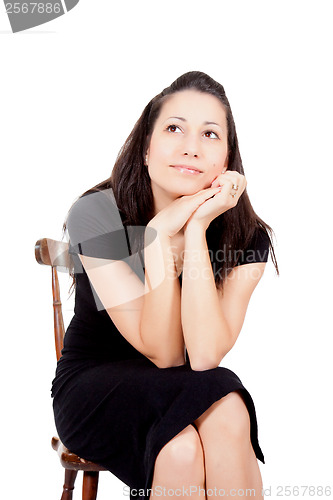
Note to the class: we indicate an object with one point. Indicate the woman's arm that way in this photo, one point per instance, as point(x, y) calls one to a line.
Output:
point(160, 327)
point(150, 321)
point(211, 320)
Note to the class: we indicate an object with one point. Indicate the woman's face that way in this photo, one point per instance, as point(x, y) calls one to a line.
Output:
point(191, 131)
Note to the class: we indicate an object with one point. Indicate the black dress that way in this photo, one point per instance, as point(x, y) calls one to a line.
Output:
point(112, 405)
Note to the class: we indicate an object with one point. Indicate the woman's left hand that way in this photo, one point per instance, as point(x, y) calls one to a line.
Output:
point(232, 186)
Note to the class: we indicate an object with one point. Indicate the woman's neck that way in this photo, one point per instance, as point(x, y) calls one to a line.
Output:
point(162, 199)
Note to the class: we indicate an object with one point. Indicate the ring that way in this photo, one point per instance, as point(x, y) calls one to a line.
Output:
point(235, 187)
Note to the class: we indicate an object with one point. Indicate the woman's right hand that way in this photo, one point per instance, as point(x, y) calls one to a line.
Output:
point(172, 218)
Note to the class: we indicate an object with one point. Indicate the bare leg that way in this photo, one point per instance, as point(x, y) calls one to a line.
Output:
point(179, 467)
point(230, 461)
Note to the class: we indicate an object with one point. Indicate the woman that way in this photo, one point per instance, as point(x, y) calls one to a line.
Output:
point(166, 253)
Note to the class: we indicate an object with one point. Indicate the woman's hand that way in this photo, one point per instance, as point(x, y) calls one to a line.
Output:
point(172, 218)
point(232, 184)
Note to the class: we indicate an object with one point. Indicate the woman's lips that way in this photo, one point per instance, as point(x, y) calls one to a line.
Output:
point(184, 169)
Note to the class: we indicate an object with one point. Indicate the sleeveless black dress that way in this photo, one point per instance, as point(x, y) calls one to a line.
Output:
point(111, 404)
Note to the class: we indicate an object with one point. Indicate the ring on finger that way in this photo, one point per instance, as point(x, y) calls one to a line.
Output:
point(235, 188)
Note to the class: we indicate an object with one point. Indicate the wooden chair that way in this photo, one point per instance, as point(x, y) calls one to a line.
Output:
point(55, 254)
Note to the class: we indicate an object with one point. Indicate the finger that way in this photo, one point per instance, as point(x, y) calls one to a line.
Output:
point(228, 182)
point(231, 190)
point(218, 178)
point(232, 178)
point(204, 193)
point(192, 201)
point(215, 182)
point(230, 174)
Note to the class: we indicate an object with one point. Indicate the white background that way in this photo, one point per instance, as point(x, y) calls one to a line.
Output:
point(71, 91)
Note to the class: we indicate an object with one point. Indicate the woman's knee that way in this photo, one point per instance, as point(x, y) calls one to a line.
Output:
point(184, 449)
point(229, 415)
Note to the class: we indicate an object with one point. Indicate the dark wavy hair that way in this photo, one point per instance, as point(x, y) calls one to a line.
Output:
point(131, 185)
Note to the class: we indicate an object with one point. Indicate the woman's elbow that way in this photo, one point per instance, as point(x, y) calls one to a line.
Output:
point(167, 363)
point(202, 364)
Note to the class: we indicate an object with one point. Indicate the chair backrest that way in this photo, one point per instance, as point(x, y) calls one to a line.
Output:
point(55, 254)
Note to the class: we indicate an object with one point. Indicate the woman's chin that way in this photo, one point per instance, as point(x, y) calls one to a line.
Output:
point(188, 191)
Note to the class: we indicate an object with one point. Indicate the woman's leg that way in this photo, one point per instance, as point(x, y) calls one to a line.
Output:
point(230, 461)
point(179, 468)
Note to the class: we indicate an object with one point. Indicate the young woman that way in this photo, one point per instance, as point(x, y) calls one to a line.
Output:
point(166, 253)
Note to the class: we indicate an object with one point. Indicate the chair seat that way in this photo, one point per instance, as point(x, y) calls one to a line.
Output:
point(71, 461)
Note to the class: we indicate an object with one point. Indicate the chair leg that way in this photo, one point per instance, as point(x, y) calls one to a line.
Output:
point(90, 485)
point(70, 476)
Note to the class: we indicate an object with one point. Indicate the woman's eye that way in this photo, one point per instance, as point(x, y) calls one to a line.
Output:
point(211, 132)
point(172, 126)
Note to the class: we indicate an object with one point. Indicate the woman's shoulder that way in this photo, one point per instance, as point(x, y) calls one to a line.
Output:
point(95, 226)
point(92, 214)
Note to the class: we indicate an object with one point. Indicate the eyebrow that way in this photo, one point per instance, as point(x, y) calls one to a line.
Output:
point(184, 120)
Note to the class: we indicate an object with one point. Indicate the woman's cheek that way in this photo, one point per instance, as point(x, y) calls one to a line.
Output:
point(215, 172)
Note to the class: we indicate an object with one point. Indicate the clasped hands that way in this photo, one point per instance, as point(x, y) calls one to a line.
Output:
point(202, 207)
point(230, 186)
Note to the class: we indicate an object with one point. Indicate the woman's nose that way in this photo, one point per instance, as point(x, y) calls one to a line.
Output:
point(194, 154)
point(191, 147)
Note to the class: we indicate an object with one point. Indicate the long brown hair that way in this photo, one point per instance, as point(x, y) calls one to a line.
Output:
point(131, 185)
